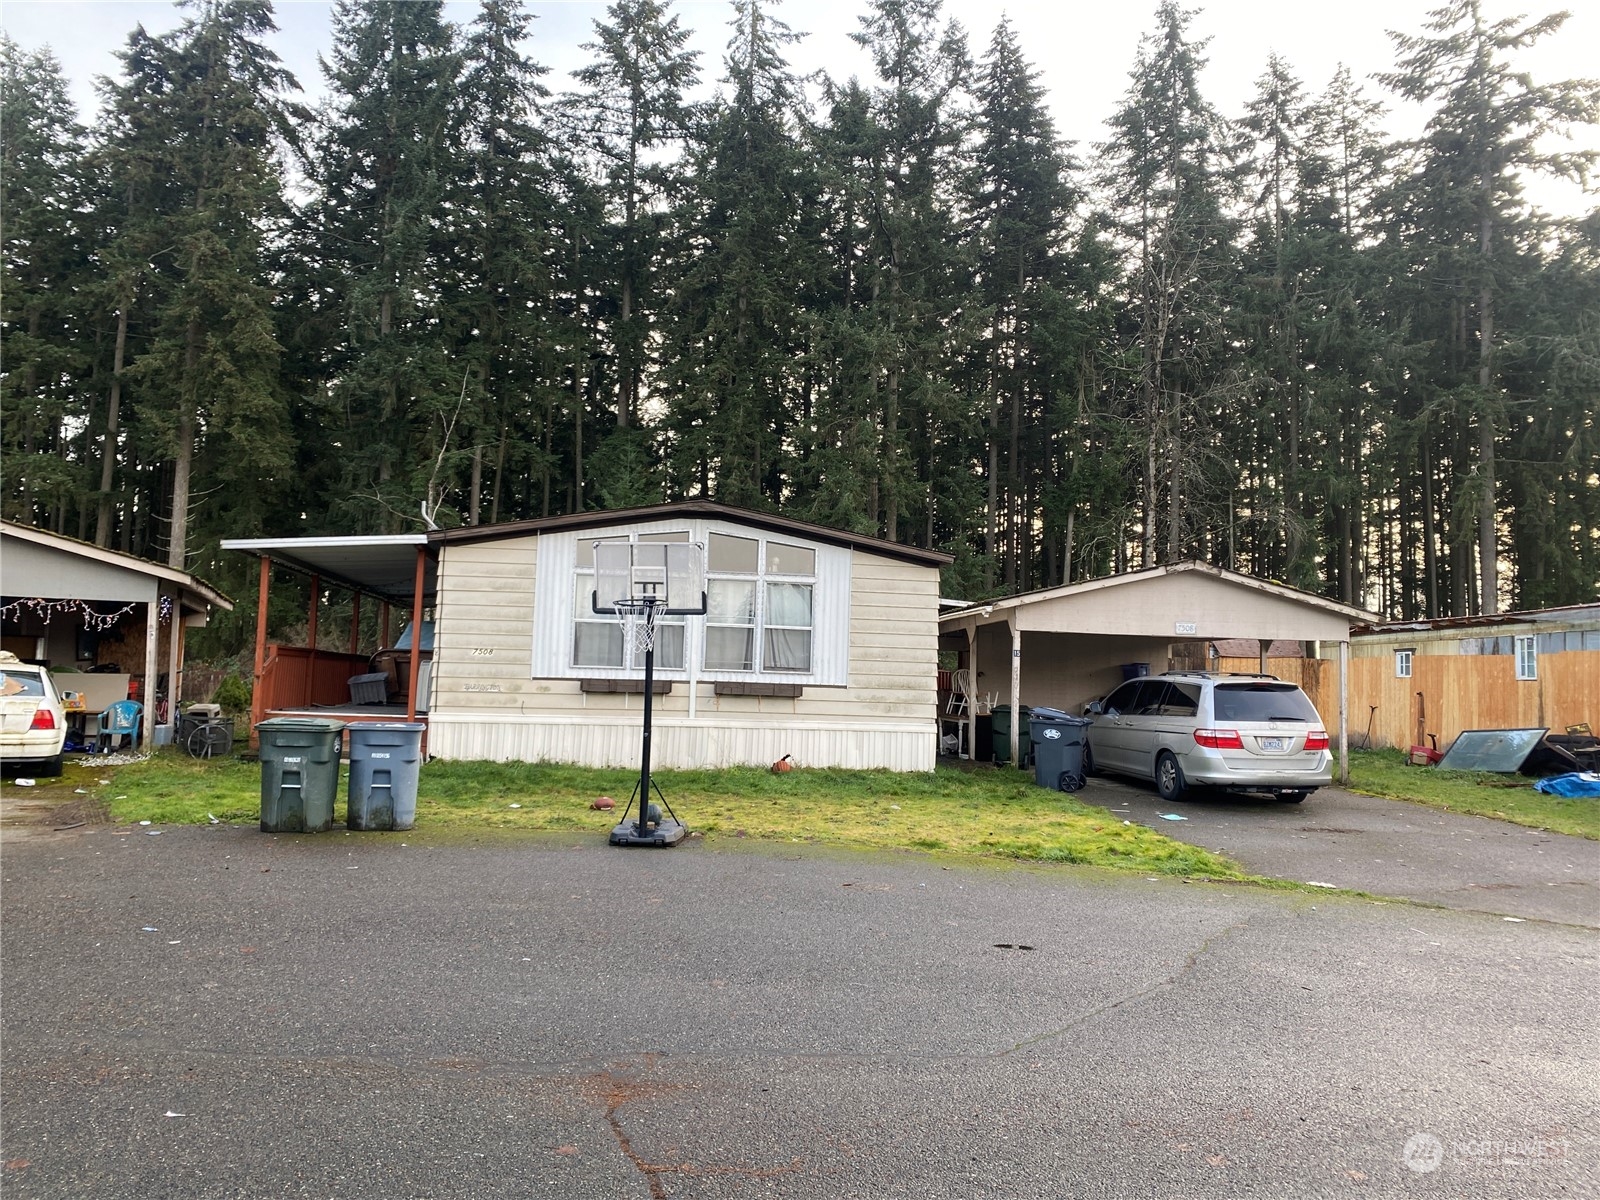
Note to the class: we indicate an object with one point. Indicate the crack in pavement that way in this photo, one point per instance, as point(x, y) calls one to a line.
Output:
point(615, 1092)
point(1189, 963)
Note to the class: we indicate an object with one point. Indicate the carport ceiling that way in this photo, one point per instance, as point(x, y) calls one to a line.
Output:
point(381, 565)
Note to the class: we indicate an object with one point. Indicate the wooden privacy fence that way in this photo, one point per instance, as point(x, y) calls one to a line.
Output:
point(200, 683)
point(297, 677)
point(1459, 691)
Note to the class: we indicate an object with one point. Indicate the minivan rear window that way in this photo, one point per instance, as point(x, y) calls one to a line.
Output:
point(1262, 702)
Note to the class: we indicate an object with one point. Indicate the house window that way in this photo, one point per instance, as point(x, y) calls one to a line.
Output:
point(1402, 663)
point(597, 637)
point(778, 609)
point(759, 596)
point(1527, 658)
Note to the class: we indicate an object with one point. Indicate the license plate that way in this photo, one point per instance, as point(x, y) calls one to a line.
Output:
point(1272, 743)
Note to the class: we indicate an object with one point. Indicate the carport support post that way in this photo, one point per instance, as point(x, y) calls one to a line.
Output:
point(1344, 712)
point(152, 631)
point(972, 694)
point(311, 639)
point(416, 630)
point(1016, 691)
point(174, 658)
point(257, 700)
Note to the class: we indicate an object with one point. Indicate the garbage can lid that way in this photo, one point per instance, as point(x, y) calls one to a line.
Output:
point(303, 724)
point(1057, 717)
point(375, 726)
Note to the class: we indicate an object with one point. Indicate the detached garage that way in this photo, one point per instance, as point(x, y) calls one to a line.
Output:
point(1065, 646)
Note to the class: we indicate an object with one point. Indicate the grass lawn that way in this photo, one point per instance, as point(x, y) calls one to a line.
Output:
point(986, 813)
point(1484, 793)
point(999, 814)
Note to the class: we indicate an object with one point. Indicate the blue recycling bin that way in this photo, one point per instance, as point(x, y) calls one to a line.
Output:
point(299, 773)
point(1058, 739)
point(385, 761)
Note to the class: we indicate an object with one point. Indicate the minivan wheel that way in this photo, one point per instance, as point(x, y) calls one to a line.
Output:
point(1088, 760)
point(1169, 778)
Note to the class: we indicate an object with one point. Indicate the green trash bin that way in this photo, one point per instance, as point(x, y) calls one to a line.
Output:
point(299, 773)
point(1002, 734)
point(385, 759)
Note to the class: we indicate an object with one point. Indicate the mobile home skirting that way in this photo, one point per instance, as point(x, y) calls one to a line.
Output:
point(680, 743)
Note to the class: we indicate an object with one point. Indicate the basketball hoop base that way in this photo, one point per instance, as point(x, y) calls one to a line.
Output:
point(664, 833)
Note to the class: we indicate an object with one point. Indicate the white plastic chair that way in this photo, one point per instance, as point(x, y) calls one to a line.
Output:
point(960, 688)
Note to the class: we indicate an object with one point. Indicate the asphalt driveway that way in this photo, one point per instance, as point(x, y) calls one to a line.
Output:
point(1387, 847)
point(218, 1012)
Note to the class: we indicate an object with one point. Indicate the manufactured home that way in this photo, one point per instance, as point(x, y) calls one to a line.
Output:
point(817, 643)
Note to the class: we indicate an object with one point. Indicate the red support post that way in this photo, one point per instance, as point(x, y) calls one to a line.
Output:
point(416, 631)
point(257, 700)
point(311, 638)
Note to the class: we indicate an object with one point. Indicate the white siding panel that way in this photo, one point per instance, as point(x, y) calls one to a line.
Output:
point(681, 744)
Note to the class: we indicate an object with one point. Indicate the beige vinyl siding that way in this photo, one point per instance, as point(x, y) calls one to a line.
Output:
point(485, 603)
point(884, 717)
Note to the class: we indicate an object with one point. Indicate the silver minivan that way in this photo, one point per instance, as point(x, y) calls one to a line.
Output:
point(1188, 729)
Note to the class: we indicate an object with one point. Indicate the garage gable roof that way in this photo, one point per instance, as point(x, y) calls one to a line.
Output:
point(1204, 578)
point(200, 593)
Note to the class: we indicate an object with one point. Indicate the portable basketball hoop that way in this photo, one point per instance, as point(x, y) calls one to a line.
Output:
point(639, 583)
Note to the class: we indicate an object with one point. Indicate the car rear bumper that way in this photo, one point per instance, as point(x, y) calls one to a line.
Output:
point(23, 748)
point(1299, 771)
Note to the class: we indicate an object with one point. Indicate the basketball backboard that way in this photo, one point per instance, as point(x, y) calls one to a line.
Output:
point(669, 576)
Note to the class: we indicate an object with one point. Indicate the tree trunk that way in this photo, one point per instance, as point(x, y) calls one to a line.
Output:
point(108, 455)
point(1488, 549)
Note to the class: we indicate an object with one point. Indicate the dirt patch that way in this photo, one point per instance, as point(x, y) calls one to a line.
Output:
point(49, 806)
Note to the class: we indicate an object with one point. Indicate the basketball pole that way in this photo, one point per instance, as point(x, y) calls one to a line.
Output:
point(642, 828)
point(642, 831)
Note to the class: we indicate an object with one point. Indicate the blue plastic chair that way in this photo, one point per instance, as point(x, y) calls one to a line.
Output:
point(125, 718)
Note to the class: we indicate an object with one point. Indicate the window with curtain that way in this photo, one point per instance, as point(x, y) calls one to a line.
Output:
point(1527, 658)
point(759, 595)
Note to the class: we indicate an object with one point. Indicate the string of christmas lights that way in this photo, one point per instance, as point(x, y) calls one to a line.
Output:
point(80, 609)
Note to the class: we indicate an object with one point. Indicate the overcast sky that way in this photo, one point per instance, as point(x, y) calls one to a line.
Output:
point(1083, 51)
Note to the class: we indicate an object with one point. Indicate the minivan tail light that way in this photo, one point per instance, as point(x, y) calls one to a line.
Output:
point(43, 718)
point(1219, 739)
point(1317, 739)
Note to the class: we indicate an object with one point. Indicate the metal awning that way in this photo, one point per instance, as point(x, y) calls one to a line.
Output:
point(381, 565)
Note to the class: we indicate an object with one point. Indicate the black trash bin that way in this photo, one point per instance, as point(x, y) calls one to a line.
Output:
point(299, 773)
point(1058, 740)
point(385, 758)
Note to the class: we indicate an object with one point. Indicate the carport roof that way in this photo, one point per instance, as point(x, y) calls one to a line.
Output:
point(198, 592)
point(1074, 595)
point(382, 565)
